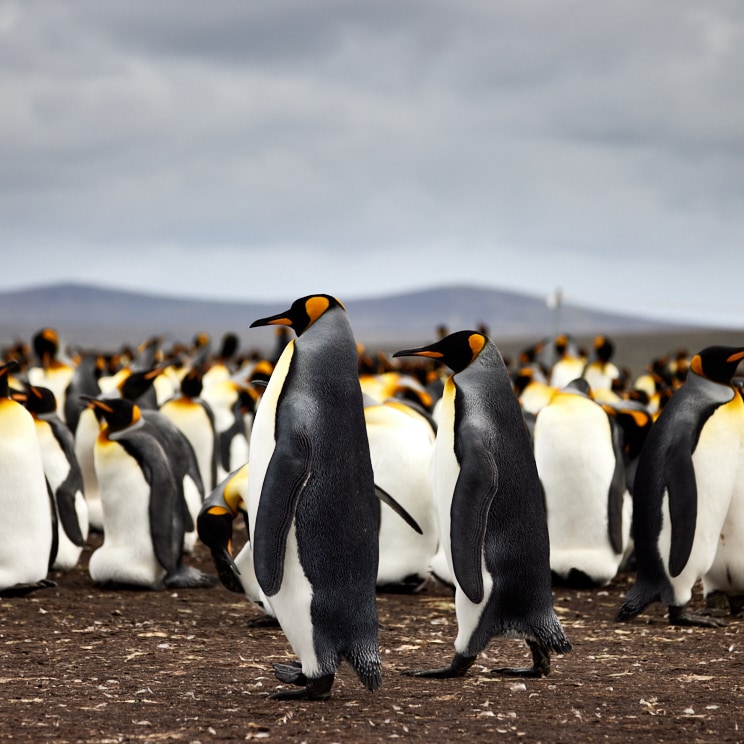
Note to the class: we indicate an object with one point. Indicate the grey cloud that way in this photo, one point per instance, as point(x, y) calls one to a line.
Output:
point(498, 130)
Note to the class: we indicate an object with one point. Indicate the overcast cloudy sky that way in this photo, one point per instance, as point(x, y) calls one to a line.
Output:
point(266, 150)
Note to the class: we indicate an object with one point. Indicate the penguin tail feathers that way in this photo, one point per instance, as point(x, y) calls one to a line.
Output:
point(638, 598)
point(367, 666)
point(186, 577)
point(554, 638)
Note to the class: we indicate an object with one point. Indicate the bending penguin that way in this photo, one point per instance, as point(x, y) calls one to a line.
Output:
point(492, 517)
point(685, 481)
point(144, 513)
point(312, 510)
point(215, 527)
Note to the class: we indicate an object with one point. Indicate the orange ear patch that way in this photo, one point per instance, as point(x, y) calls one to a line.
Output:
point(696, 365)
point(477, 342)
point(316, 306)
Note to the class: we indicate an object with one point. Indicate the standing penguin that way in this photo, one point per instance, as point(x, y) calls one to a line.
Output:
point(580, 460)
point(312, 508)
point(63, 475)
point(51, 371)
point(491, 512)
point(26, 535)
point(401, 444)
point(723, 585)
point(685, 480)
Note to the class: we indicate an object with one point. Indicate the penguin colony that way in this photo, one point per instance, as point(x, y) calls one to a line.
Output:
point(356, 474)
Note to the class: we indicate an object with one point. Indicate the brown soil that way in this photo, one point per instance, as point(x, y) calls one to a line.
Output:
point(80, 664)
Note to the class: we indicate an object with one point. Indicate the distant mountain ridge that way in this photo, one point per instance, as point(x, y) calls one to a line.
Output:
point(89, 315)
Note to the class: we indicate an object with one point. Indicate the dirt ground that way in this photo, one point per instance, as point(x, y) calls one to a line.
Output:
point(80, 664)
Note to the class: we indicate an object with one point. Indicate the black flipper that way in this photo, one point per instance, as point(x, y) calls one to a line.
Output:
point(475, 489)
point(386, 498)
point(167, 540)
point(616, 495)
point(68, 515)
point(679, 476)
point(286, 477)
point(55, 526)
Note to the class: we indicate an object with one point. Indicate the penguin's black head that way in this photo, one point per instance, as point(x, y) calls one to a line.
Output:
point(5, 370)
point(39, 400)
point(138, 383)
point(192, 383)
point(118, 413)
point(46, 345)
point(603, 348)
point(230, 343)
point(303, 313)
point(717, 363)
point(457, 351)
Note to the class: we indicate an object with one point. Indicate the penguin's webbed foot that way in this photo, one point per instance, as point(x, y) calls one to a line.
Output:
point(263, 621)
point(411, 584)
point(458, 668)
point(316, 689)
point(290, 674)
point(719, 604)
point(681, 617)
point(540, 665)
point(21, 590)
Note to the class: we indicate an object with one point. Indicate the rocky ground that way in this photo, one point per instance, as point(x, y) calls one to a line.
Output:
point(80, 664)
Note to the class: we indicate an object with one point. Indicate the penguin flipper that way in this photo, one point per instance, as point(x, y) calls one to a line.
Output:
point(679, 475)
point(475, 489)
point(227, 571)
point(386, 498)
point(162, 511)
point(616, 493)
point(286, 477)
point(68, 515)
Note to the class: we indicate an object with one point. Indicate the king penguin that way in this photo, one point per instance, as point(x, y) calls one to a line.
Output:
point(580, 460)
point(312, 508)
point(491, 512)
point(723, 585)
point(63, 475)
point(401, 444)
point(144, 516)
point(26, 534)
point(51, 371)
point(685, 480)
point(214, 524)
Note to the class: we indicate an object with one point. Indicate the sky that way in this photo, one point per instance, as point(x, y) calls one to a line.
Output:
point(261, 151)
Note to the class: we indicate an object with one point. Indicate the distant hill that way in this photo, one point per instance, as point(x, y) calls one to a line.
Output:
point(88, 316)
